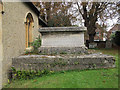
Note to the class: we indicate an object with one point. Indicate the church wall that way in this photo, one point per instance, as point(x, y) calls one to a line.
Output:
point(13, 25)
point(1, 46)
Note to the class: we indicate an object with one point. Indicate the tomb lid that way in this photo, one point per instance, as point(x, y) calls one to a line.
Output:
point(62, 29)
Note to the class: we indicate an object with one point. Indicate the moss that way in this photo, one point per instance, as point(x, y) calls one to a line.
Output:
point(58, 63)
point(60, 59)
point(63, 52)
point(76, 63)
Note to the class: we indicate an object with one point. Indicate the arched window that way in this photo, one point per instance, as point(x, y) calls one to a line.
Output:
point(29, 26)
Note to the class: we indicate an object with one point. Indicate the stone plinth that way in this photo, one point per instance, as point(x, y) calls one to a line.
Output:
point(63, 62)
point(62, 39)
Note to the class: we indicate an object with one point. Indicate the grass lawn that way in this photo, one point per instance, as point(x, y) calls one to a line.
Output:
point(101, 78)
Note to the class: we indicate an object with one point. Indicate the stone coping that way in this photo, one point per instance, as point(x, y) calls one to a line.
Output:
point(97, 55)
point(62, 29)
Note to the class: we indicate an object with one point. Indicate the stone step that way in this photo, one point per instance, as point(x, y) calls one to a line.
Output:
point(63, 62)
point(63, 50)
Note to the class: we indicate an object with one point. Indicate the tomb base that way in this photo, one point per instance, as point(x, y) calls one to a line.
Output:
point(63, 62)
point(63, 50)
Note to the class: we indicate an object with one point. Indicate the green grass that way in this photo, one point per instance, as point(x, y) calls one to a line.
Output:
point(101, 78)
point(112, 51)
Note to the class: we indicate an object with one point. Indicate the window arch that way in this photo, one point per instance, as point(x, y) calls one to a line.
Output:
point(29, 27)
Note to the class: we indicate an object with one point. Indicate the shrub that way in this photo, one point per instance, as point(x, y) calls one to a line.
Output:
point(29, 74)
point(36, 44)
point(112, 36)
point(115, 37)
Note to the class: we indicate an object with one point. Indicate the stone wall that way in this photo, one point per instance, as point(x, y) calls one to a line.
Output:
point(1, 46)
point(108, 44)
point(63, 62)
point(13, 33)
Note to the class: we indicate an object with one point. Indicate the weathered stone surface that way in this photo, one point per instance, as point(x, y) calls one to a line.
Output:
point(1, 47)
point(62, 40)
point(62, 29)
point(92, 45)
point(63, 62)
point(108, 44)
point(63, 50)
point(0, 74)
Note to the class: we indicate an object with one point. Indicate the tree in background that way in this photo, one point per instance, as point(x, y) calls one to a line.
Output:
point(56, 14)
point(91, 12)
point(59, 20)
point(61, 14)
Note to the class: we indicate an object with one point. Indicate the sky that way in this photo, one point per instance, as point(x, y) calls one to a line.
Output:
point(111, 22)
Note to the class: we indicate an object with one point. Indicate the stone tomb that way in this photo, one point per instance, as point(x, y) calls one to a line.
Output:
point(62, 40)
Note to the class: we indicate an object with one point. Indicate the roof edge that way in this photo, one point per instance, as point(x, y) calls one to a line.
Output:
point(36, 11)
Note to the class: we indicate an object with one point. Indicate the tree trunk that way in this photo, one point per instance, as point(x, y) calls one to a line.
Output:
point(91, 38)
point(91, 32)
